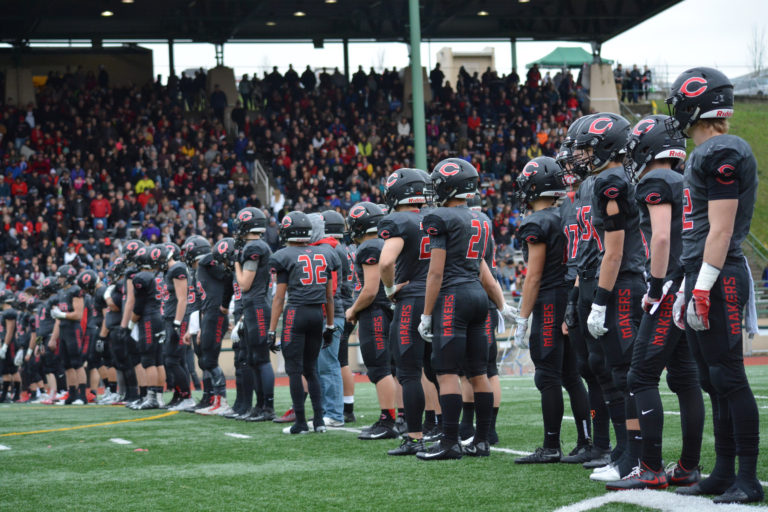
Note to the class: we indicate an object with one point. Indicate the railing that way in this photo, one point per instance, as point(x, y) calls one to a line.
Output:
point(260, 176)
point(757, 246)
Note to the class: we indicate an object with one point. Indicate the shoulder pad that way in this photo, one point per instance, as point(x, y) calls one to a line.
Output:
point(654, 190)
point(254, 251)
point(368, 253)
point(434, 224)
point(724, 160)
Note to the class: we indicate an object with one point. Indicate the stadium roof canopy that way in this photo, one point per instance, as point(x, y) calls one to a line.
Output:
point(219, 21)
point(564, 57)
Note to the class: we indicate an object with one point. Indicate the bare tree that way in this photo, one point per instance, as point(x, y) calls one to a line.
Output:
point(757, 50)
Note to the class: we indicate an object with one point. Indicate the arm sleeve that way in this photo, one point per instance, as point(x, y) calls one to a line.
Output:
point(229, 291)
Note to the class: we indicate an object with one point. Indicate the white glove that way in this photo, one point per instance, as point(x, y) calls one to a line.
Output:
point(135, 332)
point(3, 350)
point(57, 313)
point(425, 328)
point(131, 325)
point(596, 321)
point(235, 334)
point(509, 312)
point(520, 332)
point(194, 323)
point(19, 359)
point(108, 292)
point(678, 308)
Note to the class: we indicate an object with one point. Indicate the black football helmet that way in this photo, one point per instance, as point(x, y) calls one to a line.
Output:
point(698, 93)
point(454, 178)
point(249, 220)
point(130, 248)
point(565, 153)
point(334, 223)
point(224, 253)
point(142, 259)
point(541, 177)
point(173, 251)
point(158, 257)
point(117, 269)
point(7, 297)
point(606, 134)
point(87, 280)
point(406, 186)
point(67, 273)
point(295, 227)
point(363, 219)
point(195, 247)
point(48, 287)
point(650, 140)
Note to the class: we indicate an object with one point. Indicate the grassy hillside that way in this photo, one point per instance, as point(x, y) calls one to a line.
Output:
point(749, 122)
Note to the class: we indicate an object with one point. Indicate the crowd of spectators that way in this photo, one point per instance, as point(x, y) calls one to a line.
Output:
point(93, 164)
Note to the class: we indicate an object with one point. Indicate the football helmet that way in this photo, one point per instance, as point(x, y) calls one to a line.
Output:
point(158, 257)
point(565, 153)
point(48, 287)
point(363, 219)
point(698, 93)
point(87, 280)
point(541, 177)
point(173, 251)
point(454, 178)
point(406, 186)
point(142, 259)
point(130, 248)
point(117, 269)
point(650, 140)
point(605, 135)
point(295, 227)
point(334, 223)
point(249, 220)
point(67, 273)
point(224, 253)
point(195, 247)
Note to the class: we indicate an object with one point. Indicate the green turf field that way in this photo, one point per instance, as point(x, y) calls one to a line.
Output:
point(187, 462)
point(749, 122)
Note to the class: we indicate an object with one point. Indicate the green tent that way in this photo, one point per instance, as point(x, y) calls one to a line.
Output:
point(566, 57)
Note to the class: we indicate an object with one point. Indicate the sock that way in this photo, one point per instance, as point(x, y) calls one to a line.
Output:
point(269, 402)
point(297, 397)
point(651, 418)
point(316, 395)
point(600, 416)
point(430, 418)
point(266, 381)
point(692, 424)
point(248, 378)
point(468, 413)
point(349, 407)
point(725, 446)
point(238, 388)
point(143, 391)
point(72, 394)
point(484, 409)
point(552, 411)
point(746, 427)
point(493, 419)
point(413, 402)
point(634, 437)
point(387, 415)
point(451, 405)
point(349, 399)
point(6, 387)
point(17, 391)
point(112, 385)
point(400, 413)
point(440, 420)
point(615, 404)
point(579, 399)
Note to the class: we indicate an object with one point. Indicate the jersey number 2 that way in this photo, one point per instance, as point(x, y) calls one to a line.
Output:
point(687, 209)
point(473, 252)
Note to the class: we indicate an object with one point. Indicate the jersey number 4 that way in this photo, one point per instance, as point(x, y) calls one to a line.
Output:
point(314, 275)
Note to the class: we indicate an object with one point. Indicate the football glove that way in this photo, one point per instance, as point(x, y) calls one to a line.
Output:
point(19, 359)
point(571, 315)
point(509, 312)
point(99, 347)
point(697, 312)
point(678, 308)
point(596, 321)
point(3, 350)
point(328, 333)
point(57, 313)
point(425, 328)
point(273, 342)
point(177, 331)
point(235, 334)
point(520, 331)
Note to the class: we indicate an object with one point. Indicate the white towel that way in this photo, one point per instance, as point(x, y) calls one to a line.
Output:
point(500, 328)
point(750, 318)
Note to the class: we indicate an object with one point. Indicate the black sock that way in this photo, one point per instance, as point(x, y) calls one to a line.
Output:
point(451, 405)
point(112, 385)
point(651, 418)
point(248, 383)
point(400, 413)
point(238, 388)
point(692, 422)
point(601, 429)
point(552, 410)
point(349, 408)
point(634, 437)
point(413, 400)
point(615, 403)
point(493, 419)
point(143, 391)
point(746, 427)
point(468, 413)
point(440, 420)
point(484, 409)
point(72, 390)
point(6, 387)
point(429, 418)
point(725, 446)
point(580, 410)
point(315, 395)
point(17, 390)
point(266, 381)
point(297, 397)
point(386, 415)
point(269, 402)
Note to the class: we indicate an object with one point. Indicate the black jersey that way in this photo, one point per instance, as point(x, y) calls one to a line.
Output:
point(43, 319)
point(99, 304)
point(368, 253)
point(336, 263)
point(463, 234)
point(214, 285)
point(114, 318)
point(177, 273)
point(412, 263)
point(723, 167)
point(194, 293)
point(24, 328)
point(353, 285)
point(255, 258)
point(612, 185)
point(148, 289)
point(305, 269)
point(590, 243)
point(662, 186)
point(544, 227)
point(570, 227)
point(66, 304)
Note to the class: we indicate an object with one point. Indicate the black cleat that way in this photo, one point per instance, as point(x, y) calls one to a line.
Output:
point(481, 449)
point(493, 437)
point(600, 457)
point(678, 475)
point(641, 477)
point(439, 451)
point(204, 402)
point(466, 431)
point(297, 428)
point(409, 446)
point(436, 434)
point(382, 429)
point(349, 417)
point(706, 486)
point(741, 493)
point(541, 456)
point(265, 414)
point(579, 455)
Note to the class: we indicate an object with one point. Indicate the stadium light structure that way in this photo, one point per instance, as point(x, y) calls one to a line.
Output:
point(417, 86)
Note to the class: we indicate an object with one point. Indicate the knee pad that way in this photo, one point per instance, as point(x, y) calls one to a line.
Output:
point(681, 383)
point(612, 396)
point(207, 363)
point(545, 380)
point(725, 381)
point(408, 374)
point(376, 373)
point(619, 376)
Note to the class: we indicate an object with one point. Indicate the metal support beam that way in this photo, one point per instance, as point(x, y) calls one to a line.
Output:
point(345, 45)
point(171, 64)
point(417, 83)
point(219, 47)
point(513, 44)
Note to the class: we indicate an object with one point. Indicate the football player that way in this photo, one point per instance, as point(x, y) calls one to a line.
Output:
point(373, 314)
point(720, 188)
point(252, 274)
point(347, 378)
point(651, 157)
point(51, 362)
point(68, 332)
point(545, 296)
point(459, 283)
point(112, 335)
point(303, 272)
point(126, 336)
point(88, 281)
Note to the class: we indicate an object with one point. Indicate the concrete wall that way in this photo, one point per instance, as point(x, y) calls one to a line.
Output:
point(602, 90)
point(451, 63)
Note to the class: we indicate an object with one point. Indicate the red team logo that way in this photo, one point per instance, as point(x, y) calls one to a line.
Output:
point(611, 193)
point(449, 169)
point(245, 216)
point(726, 170)
point(644, 126)
point(222, 248)
point(155, 254)
point(384, 233)
point(357, 212)
point(653, 198)
point(696, 91)
point(86, 278)
point(600, 125)
point(286, 221)
point(391, 180)
point(530, 169)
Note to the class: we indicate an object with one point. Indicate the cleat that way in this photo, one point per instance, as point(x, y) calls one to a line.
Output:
point(409, 446)
point(678, 475)
point(214, 404)
point(641, 477)
point(149, 403)
point(297, 428)
point(185, 404)
point(579, 455)
point(330, 422)
point(349, 417)
point(204, 402)
point(77, 402)
point(481, 449)
point(706, 486)
point(439, 451)
point(434, 435)
point(609, 473)
point(400, 426)
point(600, 457)
point(382, 429)
point(259, 415)
point(48, 401)
point(466, 431)
point(741, 493)
point(541, 456)
point(319, 426)
point(288, 417)
point(493, 437)
point(223, 409)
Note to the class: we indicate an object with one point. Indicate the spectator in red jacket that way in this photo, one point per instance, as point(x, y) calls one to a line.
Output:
point(100, 209)
point(19, 188)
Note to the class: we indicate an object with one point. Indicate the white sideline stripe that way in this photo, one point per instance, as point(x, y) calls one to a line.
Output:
point(507, 450)
point(345, 429)
point(3, 447)
point(764, 484)
point(237, 436)
point(660, 500)
point(761, 397)
point(118, 440)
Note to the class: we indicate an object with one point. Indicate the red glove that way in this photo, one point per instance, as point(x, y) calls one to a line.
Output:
point(698, 310)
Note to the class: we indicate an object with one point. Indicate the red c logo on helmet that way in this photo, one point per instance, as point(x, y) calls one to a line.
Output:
point(223, 248)
point(132, 246)
point(696, 92)
point(245, 216)
point(357, 212)
point(155, 254)
point(392, 179)
point(528, 173)
point(86, 278)
point(653, 198)
point(444, 169)
point(287, 221)
point(644, 126)
point(597, 129)
point(611, 193)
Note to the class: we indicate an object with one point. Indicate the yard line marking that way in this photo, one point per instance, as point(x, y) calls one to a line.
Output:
point(345, 429)
point(507, 450)
point(764, 484)
point(761, 397)
point(665, 501)
point(118, 440)
point(3, 447)
point(78, 427)
point(237, 436)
